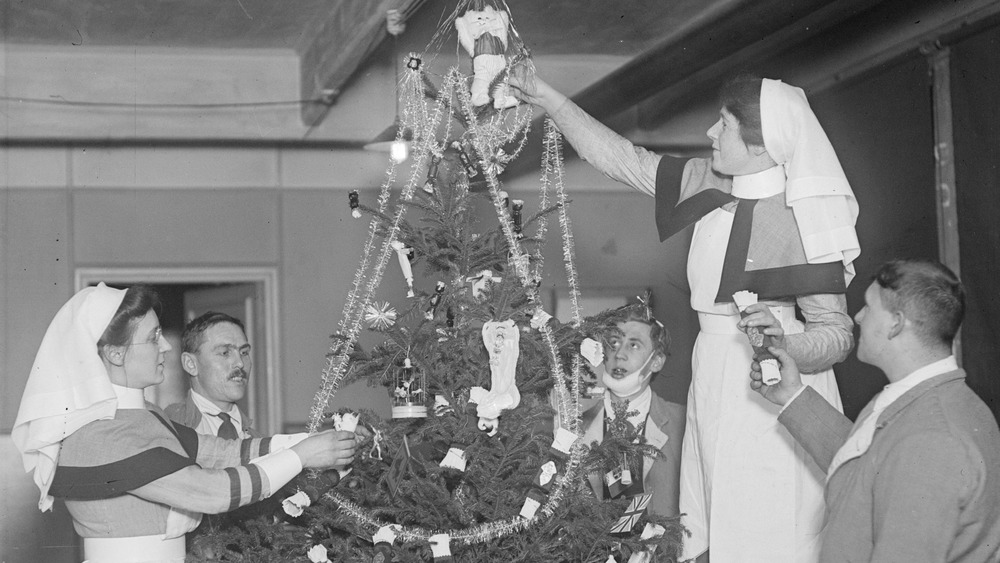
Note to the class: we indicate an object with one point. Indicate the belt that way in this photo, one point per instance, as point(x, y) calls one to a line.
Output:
point(136, 549)
point(726, 324)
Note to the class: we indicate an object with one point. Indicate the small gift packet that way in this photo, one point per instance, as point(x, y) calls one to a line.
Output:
point(769, 369)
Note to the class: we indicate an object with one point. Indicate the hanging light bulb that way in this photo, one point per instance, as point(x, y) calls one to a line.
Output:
point(390, 140)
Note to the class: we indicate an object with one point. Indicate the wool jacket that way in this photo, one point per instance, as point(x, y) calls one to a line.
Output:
point(928, 487)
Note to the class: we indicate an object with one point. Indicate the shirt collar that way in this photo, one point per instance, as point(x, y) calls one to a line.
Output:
point(895, 390)
point(211, 409)
point(760, 185)
point(129, 398)
point(640, 403)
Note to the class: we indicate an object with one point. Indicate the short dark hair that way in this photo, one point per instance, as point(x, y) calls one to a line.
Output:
point(740, 96)
point(138, 300)
point(928, 293)
point(193, 334)
point(657, 332)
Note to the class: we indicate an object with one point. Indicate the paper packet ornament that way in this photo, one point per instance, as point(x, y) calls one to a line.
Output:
point(347, 422)
point(483, 34)
point(441, 547)
point(649, 532)
point(383, 540)
point(296, 504)
point(318, 554)
point(592, 351)
point(770, 371)
point(404, 254)
point(532, 502)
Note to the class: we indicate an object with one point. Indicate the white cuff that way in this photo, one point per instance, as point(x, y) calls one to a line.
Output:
point(795, 396)
point(284, 441)
point(279, 467)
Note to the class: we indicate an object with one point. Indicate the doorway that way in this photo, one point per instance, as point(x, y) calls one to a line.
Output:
point(249, 294)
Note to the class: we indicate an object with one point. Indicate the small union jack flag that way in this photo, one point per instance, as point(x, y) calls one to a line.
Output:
point(636, 507)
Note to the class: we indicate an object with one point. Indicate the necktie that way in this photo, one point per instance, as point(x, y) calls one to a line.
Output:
point(860, 439)
point(227, 430)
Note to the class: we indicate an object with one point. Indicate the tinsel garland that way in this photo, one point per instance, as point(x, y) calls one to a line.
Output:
point(340, 351)
point(486, 139)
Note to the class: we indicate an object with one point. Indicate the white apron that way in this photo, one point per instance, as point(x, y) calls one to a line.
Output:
point(749, 492)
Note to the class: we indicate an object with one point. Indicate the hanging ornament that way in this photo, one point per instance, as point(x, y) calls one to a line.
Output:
point(442, 407)
point(355, 200)
point(497, 163)
point(383, 540)
point(440, 547)
point(376, 450)
point(295, 505)
point(593, 351)
point(318, 554)
point(533, 500)
point(432, 171)
point(408, 393)
point(504, 198)
point(539, 319)
point(380, 317)
point(649, 532)
point(404, 254)
point(634, 511)
point(478, 282)
point(483, 34)
point(501, 340)
point(413, 61)
point(435, 300)
point(454, 459)
point(518, 205)
point(470, 168)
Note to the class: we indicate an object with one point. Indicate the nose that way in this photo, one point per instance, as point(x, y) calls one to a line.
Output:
point(165, 344)
point(713, 131)
point(858, 316)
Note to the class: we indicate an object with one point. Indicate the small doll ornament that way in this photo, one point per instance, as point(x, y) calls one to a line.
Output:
point(518, 205)
point(405, 254)
point(355, 200)
point(483, 33)
point(501, 340)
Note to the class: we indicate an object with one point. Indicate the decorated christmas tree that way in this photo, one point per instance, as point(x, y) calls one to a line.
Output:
point(482, 459)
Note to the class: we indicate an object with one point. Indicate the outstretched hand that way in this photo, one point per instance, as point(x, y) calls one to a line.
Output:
point(783, 391)
point(531, 89)
point(330, 448)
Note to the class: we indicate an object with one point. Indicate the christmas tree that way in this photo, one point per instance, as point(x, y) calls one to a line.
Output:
point(481, 460)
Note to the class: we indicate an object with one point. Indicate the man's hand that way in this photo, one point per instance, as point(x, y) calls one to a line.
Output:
point(783, 391)
point(330, 448)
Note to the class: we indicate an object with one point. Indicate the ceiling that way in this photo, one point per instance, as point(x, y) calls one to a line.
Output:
point(639, 65)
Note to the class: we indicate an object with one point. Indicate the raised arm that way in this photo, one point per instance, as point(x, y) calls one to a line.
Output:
point(610, 153)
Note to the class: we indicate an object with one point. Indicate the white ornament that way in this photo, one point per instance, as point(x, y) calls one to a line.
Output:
point(593, 351)
point(295, 504)
point(539, 319)
point(402, 253)
point(501, 340)
point(440, 545)
point(318, 554)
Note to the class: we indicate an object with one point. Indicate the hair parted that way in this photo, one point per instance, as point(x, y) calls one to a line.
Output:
point(194, 332)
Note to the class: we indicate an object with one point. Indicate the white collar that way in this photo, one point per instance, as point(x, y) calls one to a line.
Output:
point(640, 403)
point(129, 398)
point(893, 391)
point(210, 408)
point(760, 185)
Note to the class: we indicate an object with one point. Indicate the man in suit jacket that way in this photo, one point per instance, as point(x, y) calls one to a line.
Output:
point(631, 360)
point(217, 356)
point(917, 477)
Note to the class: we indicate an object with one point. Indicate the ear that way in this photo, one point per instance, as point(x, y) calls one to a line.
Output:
point(114, 354)
point(657, 363)
point(898, 323)
point(189, 363)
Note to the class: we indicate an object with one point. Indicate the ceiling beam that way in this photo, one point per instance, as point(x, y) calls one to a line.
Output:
point(340, 43)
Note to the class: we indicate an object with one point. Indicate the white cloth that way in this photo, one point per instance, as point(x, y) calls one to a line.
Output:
point(817, 189)
point(68, 386)
point(861, 436)
point(747, 488)
point(210, 421)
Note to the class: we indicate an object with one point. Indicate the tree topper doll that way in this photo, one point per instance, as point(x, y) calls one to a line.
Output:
point(483, 33)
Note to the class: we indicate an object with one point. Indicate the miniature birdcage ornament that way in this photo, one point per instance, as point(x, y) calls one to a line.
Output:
point(408, 393)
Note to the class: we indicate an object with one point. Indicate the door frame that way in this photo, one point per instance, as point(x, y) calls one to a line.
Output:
point(268, 280)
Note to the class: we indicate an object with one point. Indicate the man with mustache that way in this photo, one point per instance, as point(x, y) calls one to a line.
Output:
point(216, 354)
